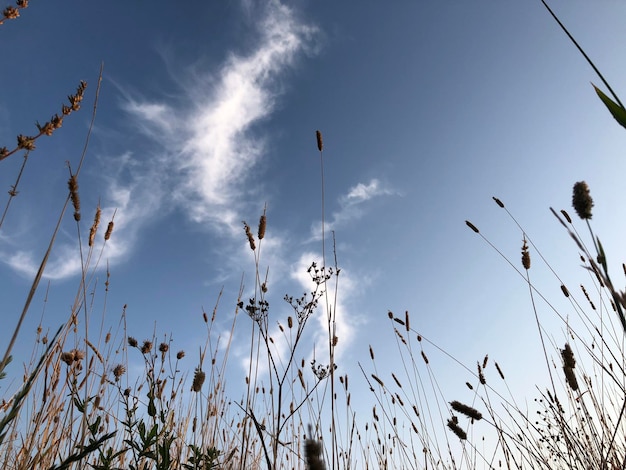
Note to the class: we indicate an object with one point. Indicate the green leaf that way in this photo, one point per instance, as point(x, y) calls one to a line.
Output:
point(618, 112)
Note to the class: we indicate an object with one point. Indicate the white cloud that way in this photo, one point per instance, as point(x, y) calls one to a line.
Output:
point(364, 192)
point(205, 154)
point(351, 206)
point(219, 156)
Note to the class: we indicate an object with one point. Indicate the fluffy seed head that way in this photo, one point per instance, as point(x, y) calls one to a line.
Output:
point(118, 371)
point(146, 347)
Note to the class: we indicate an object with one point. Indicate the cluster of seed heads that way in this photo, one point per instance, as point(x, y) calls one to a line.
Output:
point(28, 142)
point(11, 13)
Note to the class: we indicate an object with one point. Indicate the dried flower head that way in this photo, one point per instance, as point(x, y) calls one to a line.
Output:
point(118, 371)
point(132, 342)
point(94, 226)
point(581, 200)
point(249, 235)
point(72, 184)
point(198, 380)
point(68, 357)
point(107, 234)
point(146, 347)
point(180, 355)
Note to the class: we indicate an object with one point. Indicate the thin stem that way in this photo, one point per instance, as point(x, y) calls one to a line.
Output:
point(583, 53)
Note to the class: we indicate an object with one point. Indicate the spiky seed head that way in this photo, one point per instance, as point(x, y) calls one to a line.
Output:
point(581, 200)
point(146, 347)
point(118, 371)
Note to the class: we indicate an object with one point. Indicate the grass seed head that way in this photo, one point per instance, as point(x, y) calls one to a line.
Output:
point(581, 200)
point(320, 142)
point(313, 452)
point(466, 410)
point(73, 187)
point(107, 234)
point(262, 226)
point(525, 256)
point(198, 380)
point(472, 226)
point(249, 235)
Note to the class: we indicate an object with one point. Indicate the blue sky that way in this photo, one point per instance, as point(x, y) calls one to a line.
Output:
point(208, 112)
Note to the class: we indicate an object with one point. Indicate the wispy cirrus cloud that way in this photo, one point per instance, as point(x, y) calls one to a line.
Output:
point(351, 206)
point(205, 153)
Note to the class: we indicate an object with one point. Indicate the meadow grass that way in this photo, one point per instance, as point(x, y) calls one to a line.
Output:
point(78, 404)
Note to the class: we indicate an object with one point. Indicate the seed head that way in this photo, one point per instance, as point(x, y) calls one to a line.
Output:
point(581, 200)
point(107, 234)
point(525, 256)
point(466, 410)
point(313, 452)
point(320, 142)
point(262, 224)
point(118, 371)
point(73, 187)
point(146, 347)
point(249, 235)
point(198, 380)
point(94, 226)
